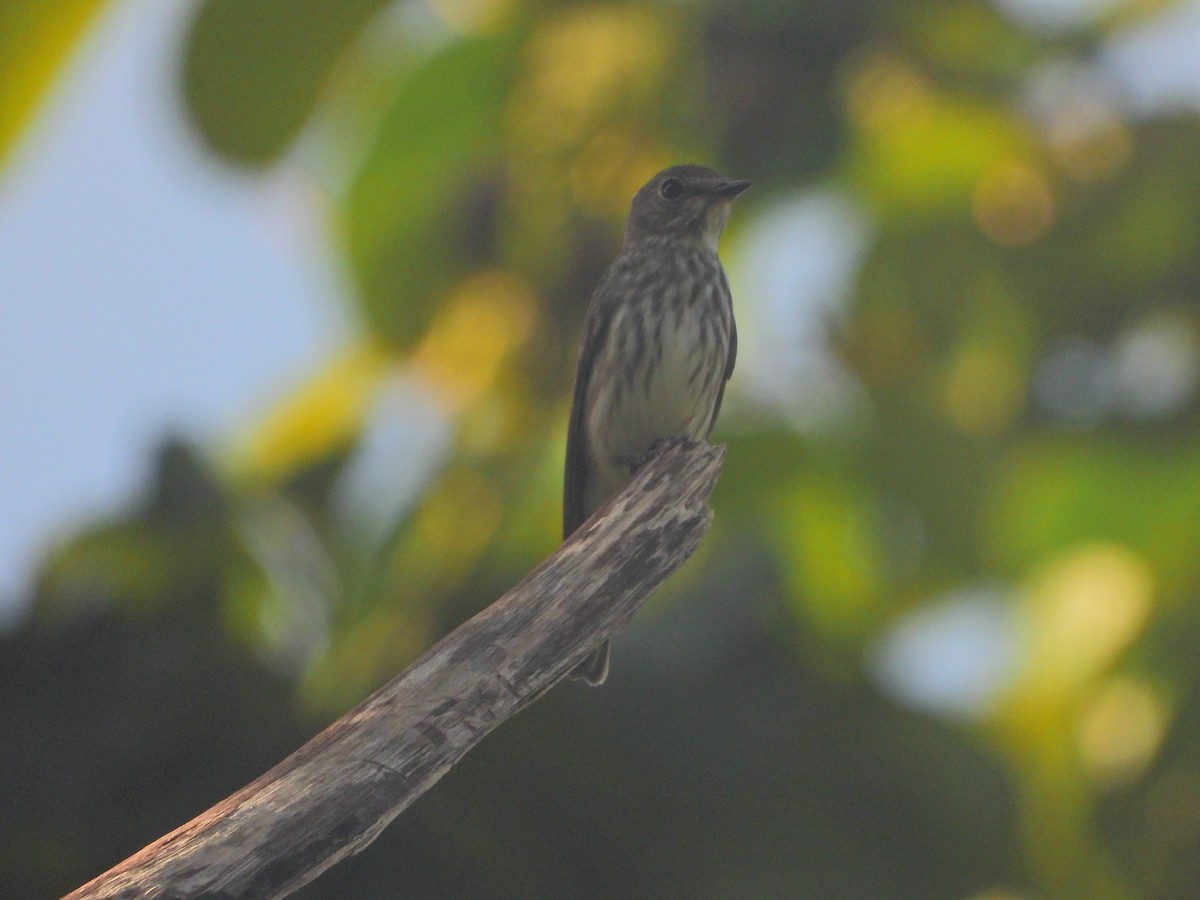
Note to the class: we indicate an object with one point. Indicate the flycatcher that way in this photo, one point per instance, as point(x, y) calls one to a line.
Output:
point(659, 343)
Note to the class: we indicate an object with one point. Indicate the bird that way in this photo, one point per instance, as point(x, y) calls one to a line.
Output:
point(659, 344)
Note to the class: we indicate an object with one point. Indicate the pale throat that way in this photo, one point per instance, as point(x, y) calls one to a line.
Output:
point(714, 224)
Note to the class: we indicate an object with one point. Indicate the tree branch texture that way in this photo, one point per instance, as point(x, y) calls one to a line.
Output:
point(334, 795)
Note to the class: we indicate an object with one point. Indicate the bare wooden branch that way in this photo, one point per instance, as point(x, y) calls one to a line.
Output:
point(334, 795)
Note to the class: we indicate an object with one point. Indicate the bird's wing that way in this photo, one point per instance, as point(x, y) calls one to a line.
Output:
point(729, 363)
point(595, 330)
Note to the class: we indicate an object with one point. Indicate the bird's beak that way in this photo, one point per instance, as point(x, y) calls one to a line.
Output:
point(730, 189)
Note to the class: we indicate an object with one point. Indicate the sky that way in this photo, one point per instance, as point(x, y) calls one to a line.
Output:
point(144, 290)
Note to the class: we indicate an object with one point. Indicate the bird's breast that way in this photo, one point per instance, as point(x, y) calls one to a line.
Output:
point(669, 352)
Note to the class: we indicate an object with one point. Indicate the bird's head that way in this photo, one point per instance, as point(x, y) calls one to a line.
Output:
point(683, 202)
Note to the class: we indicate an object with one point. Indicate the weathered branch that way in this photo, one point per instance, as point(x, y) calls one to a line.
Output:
point(335, 794)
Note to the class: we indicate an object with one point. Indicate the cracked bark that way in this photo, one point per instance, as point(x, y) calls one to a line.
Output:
point(334, 795)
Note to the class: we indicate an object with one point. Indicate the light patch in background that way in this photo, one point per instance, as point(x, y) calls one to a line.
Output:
point(1120, 730)
point(1082, 610)
point(1151, 371)
point(143, 289)
point(293, 618)
point(1150, 67)
point(1058, 15)
point(1078, 106)
point(1157, 62)
point(407, 437)
point(794, 269)
point(952, 656)
point(1156, 365)
point(1074, 383)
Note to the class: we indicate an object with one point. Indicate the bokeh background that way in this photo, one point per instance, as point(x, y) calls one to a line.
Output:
point(289, 299)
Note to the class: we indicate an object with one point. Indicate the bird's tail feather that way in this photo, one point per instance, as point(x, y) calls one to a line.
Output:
point(594, 669)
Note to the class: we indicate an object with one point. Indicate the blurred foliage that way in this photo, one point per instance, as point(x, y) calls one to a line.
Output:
point(1017, 417)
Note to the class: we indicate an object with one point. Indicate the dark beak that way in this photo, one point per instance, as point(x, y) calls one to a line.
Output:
point(730, 189)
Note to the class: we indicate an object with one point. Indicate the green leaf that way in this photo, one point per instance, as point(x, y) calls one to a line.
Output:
point(254, 70)
point(1058, 493)
point(407, 216)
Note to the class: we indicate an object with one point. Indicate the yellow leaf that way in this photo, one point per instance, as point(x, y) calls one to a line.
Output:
point(322, 415)
point(478, 325)
point(920, 149)
point(36, 37)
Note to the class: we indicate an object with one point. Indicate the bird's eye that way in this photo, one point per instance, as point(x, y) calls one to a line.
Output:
point(671, 189)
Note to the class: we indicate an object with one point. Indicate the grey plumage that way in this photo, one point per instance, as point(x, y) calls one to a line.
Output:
point(659, 343)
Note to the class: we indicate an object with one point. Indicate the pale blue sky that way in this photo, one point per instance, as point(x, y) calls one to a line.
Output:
point(142, 289)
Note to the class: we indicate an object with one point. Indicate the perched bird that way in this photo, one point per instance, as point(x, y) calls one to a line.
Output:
point(659, 343)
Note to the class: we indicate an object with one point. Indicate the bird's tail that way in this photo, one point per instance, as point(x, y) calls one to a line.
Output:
point(594, 669)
